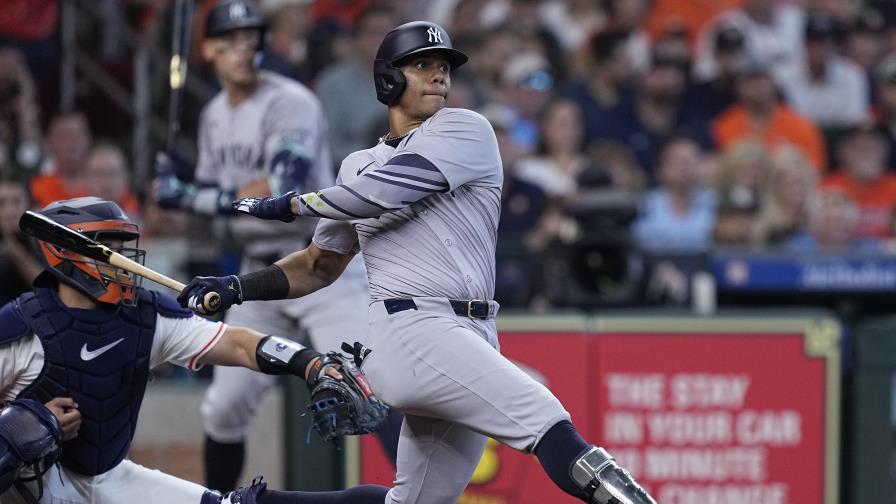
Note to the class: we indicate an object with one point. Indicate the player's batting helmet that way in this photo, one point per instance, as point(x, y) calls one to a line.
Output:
point(100, 220)
point(228, 15)
point(403, 41)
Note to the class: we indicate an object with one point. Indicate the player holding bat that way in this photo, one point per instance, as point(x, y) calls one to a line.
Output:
point(75, 357)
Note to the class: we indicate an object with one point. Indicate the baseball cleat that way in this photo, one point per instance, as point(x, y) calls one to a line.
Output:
point(246, 495)
point(606, 481)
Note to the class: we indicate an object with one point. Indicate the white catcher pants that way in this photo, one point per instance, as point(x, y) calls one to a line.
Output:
point(126, 482)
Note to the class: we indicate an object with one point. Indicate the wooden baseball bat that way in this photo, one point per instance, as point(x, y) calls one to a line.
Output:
point(177, 67)
point(50, 231)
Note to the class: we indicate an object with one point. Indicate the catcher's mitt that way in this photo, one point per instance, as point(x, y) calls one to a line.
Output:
point(347, 406)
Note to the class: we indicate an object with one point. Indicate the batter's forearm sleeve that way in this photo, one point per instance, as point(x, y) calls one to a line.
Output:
point(270, 283)
point(403, 180)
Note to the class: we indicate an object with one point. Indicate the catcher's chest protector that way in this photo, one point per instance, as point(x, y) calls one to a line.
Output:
point(100, 358)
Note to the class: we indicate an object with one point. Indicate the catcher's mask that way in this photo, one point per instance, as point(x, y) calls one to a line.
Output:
point(105, 222)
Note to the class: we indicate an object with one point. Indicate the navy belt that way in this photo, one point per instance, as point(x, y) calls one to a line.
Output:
point(473, 308)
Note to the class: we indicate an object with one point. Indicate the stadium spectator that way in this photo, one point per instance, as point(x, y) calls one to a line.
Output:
point(20, 134)
point(522, 207)
point(885, 103)
point(286, 44)
point(18, 266)
point(559, 156)
point(630, 16)
point(346, 88)
point(527, 84)
point(826, 88)
point(32, 26)
point(524, 19)
point(743, 171)
point(68, 142)
point(843, 13)
point(693, 15)
point(107, 176)
point(679, 214)
point(619, 166)
point(672, 45)
point(791, 187)
point(833, 218)
point(489, 55)
point(864, 44)
point(714, 95)
point(605, 84)
point(656, 114)
point(864, 179)
point(758, 115)
point(465, 20)
point(773, 32)
point(572, 22)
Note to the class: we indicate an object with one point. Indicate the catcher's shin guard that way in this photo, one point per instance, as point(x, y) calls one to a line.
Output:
point(605, 481)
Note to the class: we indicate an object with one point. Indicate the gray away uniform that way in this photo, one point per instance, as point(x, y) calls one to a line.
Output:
point(278, 133)
point(444, 371)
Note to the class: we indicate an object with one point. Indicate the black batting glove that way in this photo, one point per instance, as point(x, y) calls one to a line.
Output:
point(269, 208)
point(227, 287)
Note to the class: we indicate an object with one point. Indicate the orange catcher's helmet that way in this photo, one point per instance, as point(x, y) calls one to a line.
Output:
point(105, 222)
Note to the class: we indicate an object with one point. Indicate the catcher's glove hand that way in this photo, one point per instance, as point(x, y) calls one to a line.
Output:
point(347, 406)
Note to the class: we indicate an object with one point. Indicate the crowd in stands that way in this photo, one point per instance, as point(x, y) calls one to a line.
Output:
point(658, 126)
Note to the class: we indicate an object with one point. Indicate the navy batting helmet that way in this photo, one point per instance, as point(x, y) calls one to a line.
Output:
point(403, 41)
point(228, 15)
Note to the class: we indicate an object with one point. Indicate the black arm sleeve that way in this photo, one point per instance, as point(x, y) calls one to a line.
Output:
point(265, 284)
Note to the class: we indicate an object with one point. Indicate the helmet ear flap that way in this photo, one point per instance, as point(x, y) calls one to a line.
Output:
point(390, 83)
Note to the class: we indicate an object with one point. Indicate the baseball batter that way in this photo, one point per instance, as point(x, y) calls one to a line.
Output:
point(75, 358)
point(262, 134)
point(422, 207)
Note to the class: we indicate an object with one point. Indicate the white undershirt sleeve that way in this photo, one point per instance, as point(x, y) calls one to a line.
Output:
point(183, 341)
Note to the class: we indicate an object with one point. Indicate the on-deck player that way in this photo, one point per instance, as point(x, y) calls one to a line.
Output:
point(262, 134)
point(422, 206)
point(83, 344)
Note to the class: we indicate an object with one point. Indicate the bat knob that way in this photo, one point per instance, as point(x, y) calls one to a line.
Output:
point(211, 302)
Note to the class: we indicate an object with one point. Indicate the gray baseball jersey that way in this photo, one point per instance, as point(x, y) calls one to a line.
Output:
point(279, 132)
point(442, 244)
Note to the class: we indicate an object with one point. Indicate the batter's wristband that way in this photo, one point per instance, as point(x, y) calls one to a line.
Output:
point(265, 284)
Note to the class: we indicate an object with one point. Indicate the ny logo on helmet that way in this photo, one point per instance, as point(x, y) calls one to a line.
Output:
point(237, 11)
point(435, 36)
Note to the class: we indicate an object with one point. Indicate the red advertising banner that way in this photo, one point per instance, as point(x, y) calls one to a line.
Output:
point(728, 418)
point(701, 411)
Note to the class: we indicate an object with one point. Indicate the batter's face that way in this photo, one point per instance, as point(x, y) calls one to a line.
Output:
point(428, 81)
point(233, 56)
